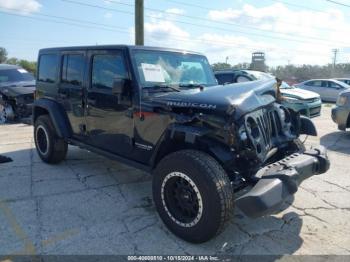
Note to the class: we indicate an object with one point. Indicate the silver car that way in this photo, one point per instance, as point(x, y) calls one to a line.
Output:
point(344, 80)
point(328, 89)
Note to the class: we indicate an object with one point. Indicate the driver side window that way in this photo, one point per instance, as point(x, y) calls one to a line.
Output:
point(105, 69)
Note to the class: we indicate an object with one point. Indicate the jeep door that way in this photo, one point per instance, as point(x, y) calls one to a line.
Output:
point(109, 124)
point(71, 89)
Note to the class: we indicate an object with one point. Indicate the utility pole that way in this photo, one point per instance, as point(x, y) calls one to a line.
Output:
point(335, 52)
point(226, 59)
point(139, 23)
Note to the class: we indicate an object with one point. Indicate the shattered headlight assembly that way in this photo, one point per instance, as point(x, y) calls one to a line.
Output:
point(342, 100)
point(242, 134)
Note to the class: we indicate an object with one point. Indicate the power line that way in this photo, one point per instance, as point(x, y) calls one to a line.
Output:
point(253, 17)
point(201, 26)
point(59, 22)
point(179, 39)
point(69, 19)
point(230, 24)
point(300, 6)
point(338, 3)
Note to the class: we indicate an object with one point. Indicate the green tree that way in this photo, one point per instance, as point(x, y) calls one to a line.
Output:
point(28, 65)
point(3, 55)
point(12, 61)
point(220, 66)
point(301, 73)
point(242, 66)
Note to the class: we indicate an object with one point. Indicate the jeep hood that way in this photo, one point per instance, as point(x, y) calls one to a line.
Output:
point(299, 93)
point(238, 98)
point(14, 89)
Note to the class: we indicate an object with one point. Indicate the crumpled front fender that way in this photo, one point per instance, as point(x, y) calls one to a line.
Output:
point(307, 127)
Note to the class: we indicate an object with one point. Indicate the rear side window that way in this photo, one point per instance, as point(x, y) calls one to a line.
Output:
point(314, 83)
point(106, 68)
point(333, 85)
point(73, 69)
point(48, 66)
point(224, 78)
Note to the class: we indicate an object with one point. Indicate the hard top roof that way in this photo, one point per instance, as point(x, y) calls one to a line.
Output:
point(104, 47)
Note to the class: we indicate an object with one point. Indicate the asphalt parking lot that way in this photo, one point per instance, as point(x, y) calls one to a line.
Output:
point(92, 205)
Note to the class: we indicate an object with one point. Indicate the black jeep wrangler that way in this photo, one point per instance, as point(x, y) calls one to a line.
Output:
point(162, 111)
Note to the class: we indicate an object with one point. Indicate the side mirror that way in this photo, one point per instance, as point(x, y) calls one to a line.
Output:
point(118, 87)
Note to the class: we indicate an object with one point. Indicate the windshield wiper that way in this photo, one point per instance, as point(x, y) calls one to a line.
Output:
point(163, 88)
point(201, 86)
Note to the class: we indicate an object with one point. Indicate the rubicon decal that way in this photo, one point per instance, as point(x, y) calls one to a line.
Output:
point(189, 104)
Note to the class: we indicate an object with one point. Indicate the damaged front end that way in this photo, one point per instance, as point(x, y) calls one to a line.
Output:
point(15, 103)
point(271, 160)
point(279, 180)
point(252, 135)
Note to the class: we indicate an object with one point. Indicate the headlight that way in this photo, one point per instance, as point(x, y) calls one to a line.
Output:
point(292, 100)
point(342, 100)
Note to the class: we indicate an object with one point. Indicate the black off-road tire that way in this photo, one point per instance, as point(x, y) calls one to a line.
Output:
point(215, 190)
point(56, 148)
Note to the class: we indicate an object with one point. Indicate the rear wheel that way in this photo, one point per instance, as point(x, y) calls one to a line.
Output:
point(50, 147)
point(193, 195)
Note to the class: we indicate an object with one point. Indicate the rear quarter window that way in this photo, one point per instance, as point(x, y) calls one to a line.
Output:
point(48, 67)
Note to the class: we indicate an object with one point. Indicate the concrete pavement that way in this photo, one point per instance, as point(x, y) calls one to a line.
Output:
point(92, 205)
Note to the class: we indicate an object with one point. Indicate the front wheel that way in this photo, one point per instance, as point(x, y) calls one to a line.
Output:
point(51, 149)
point(193, 195)
point(6, 113)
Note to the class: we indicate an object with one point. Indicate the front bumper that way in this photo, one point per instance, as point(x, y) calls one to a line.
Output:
point(281, 179)
point(340, 116)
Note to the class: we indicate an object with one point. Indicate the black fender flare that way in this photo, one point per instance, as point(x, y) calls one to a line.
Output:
point(307, 127)
point(190, 132)
point(193, 136)
point(57, 114)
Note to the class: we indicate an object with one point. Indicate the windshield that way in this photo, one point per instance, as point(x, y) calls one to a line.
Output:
point(158, 68)
point(15, 75)
point(286, 86)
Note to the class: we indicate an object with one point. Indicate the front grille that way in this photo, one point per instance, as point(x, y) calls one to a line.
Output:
point(270, 125)
point(311, 100)
point(264, 128)
point(315, 111)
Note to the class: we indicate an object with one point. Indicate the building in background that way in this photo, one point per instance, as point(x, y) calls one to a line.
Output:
point(258, 62)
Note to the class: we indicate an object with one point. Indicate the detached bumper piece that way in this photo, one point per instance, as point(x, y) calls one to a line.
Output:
point(281, 179)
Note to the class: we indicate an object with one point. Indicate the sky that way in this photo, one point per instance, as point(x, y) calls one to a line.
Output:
point(288, 31)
